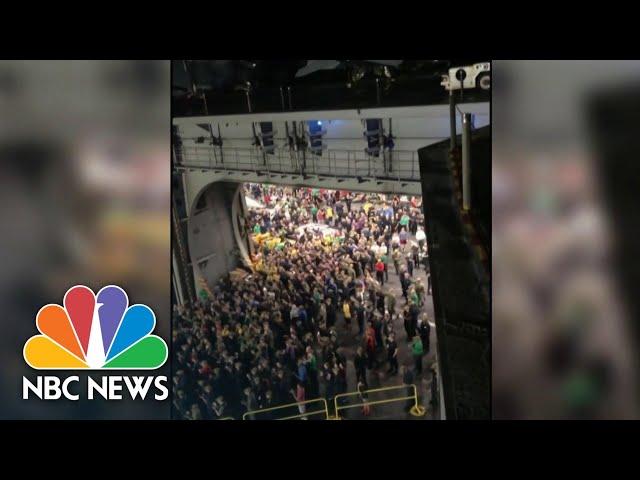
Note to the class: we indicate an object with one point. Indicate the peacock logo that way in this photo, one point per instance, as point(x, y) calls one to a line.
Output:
point(95, 331)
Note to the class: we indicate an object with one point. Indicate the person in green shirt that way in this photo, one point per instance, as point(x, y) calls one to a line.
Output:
point(420, 291)
point(396, 260)
point(256, 229)
point(204, 296)
point(314, 214)
point(385, 260)
point(413, 297)
point(417, 351)
point(312, 360)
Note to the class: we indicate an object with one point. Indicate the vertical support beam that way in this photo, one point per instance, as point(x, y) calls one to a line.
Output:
point(242, 238)
point(452, 120)
point(296, 153)
point(180, 243)
point(466, 161)
point(259, 147)
point(381, 147)
point(220, 140)
point(292, 145)
point(177, 282)
point(290, 103)
point(282, 98)
point(390, 150)
point(248, 99)
point(175, 156)
point(213, 159)
point(204, 101)
point(304, 150)
point(188, 71)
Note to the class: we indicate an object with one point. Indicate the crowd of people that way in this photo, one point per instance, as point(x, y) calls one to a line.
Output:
point(321, 259)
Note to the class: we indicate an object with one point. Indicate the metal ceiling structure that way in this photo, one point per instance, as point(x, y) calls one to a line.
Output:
point(277, 85)
point(231, 75)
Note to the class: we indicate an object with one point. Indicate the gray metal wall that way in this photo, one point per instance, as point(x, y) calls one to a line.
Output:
point(211, 235)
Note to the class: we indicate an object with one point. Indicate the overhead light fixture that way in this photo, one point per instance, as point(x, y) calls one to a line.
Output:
point(319, 122)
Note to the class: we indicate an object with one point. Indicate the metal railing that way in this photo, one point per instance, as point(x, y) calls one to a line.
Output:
point(394, 165)
point(416, 410)
point(252, 414)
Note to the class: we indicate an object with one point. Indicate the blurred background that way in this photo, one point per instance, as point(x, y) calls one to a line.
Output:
point(84, 199)
point(565, 208)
